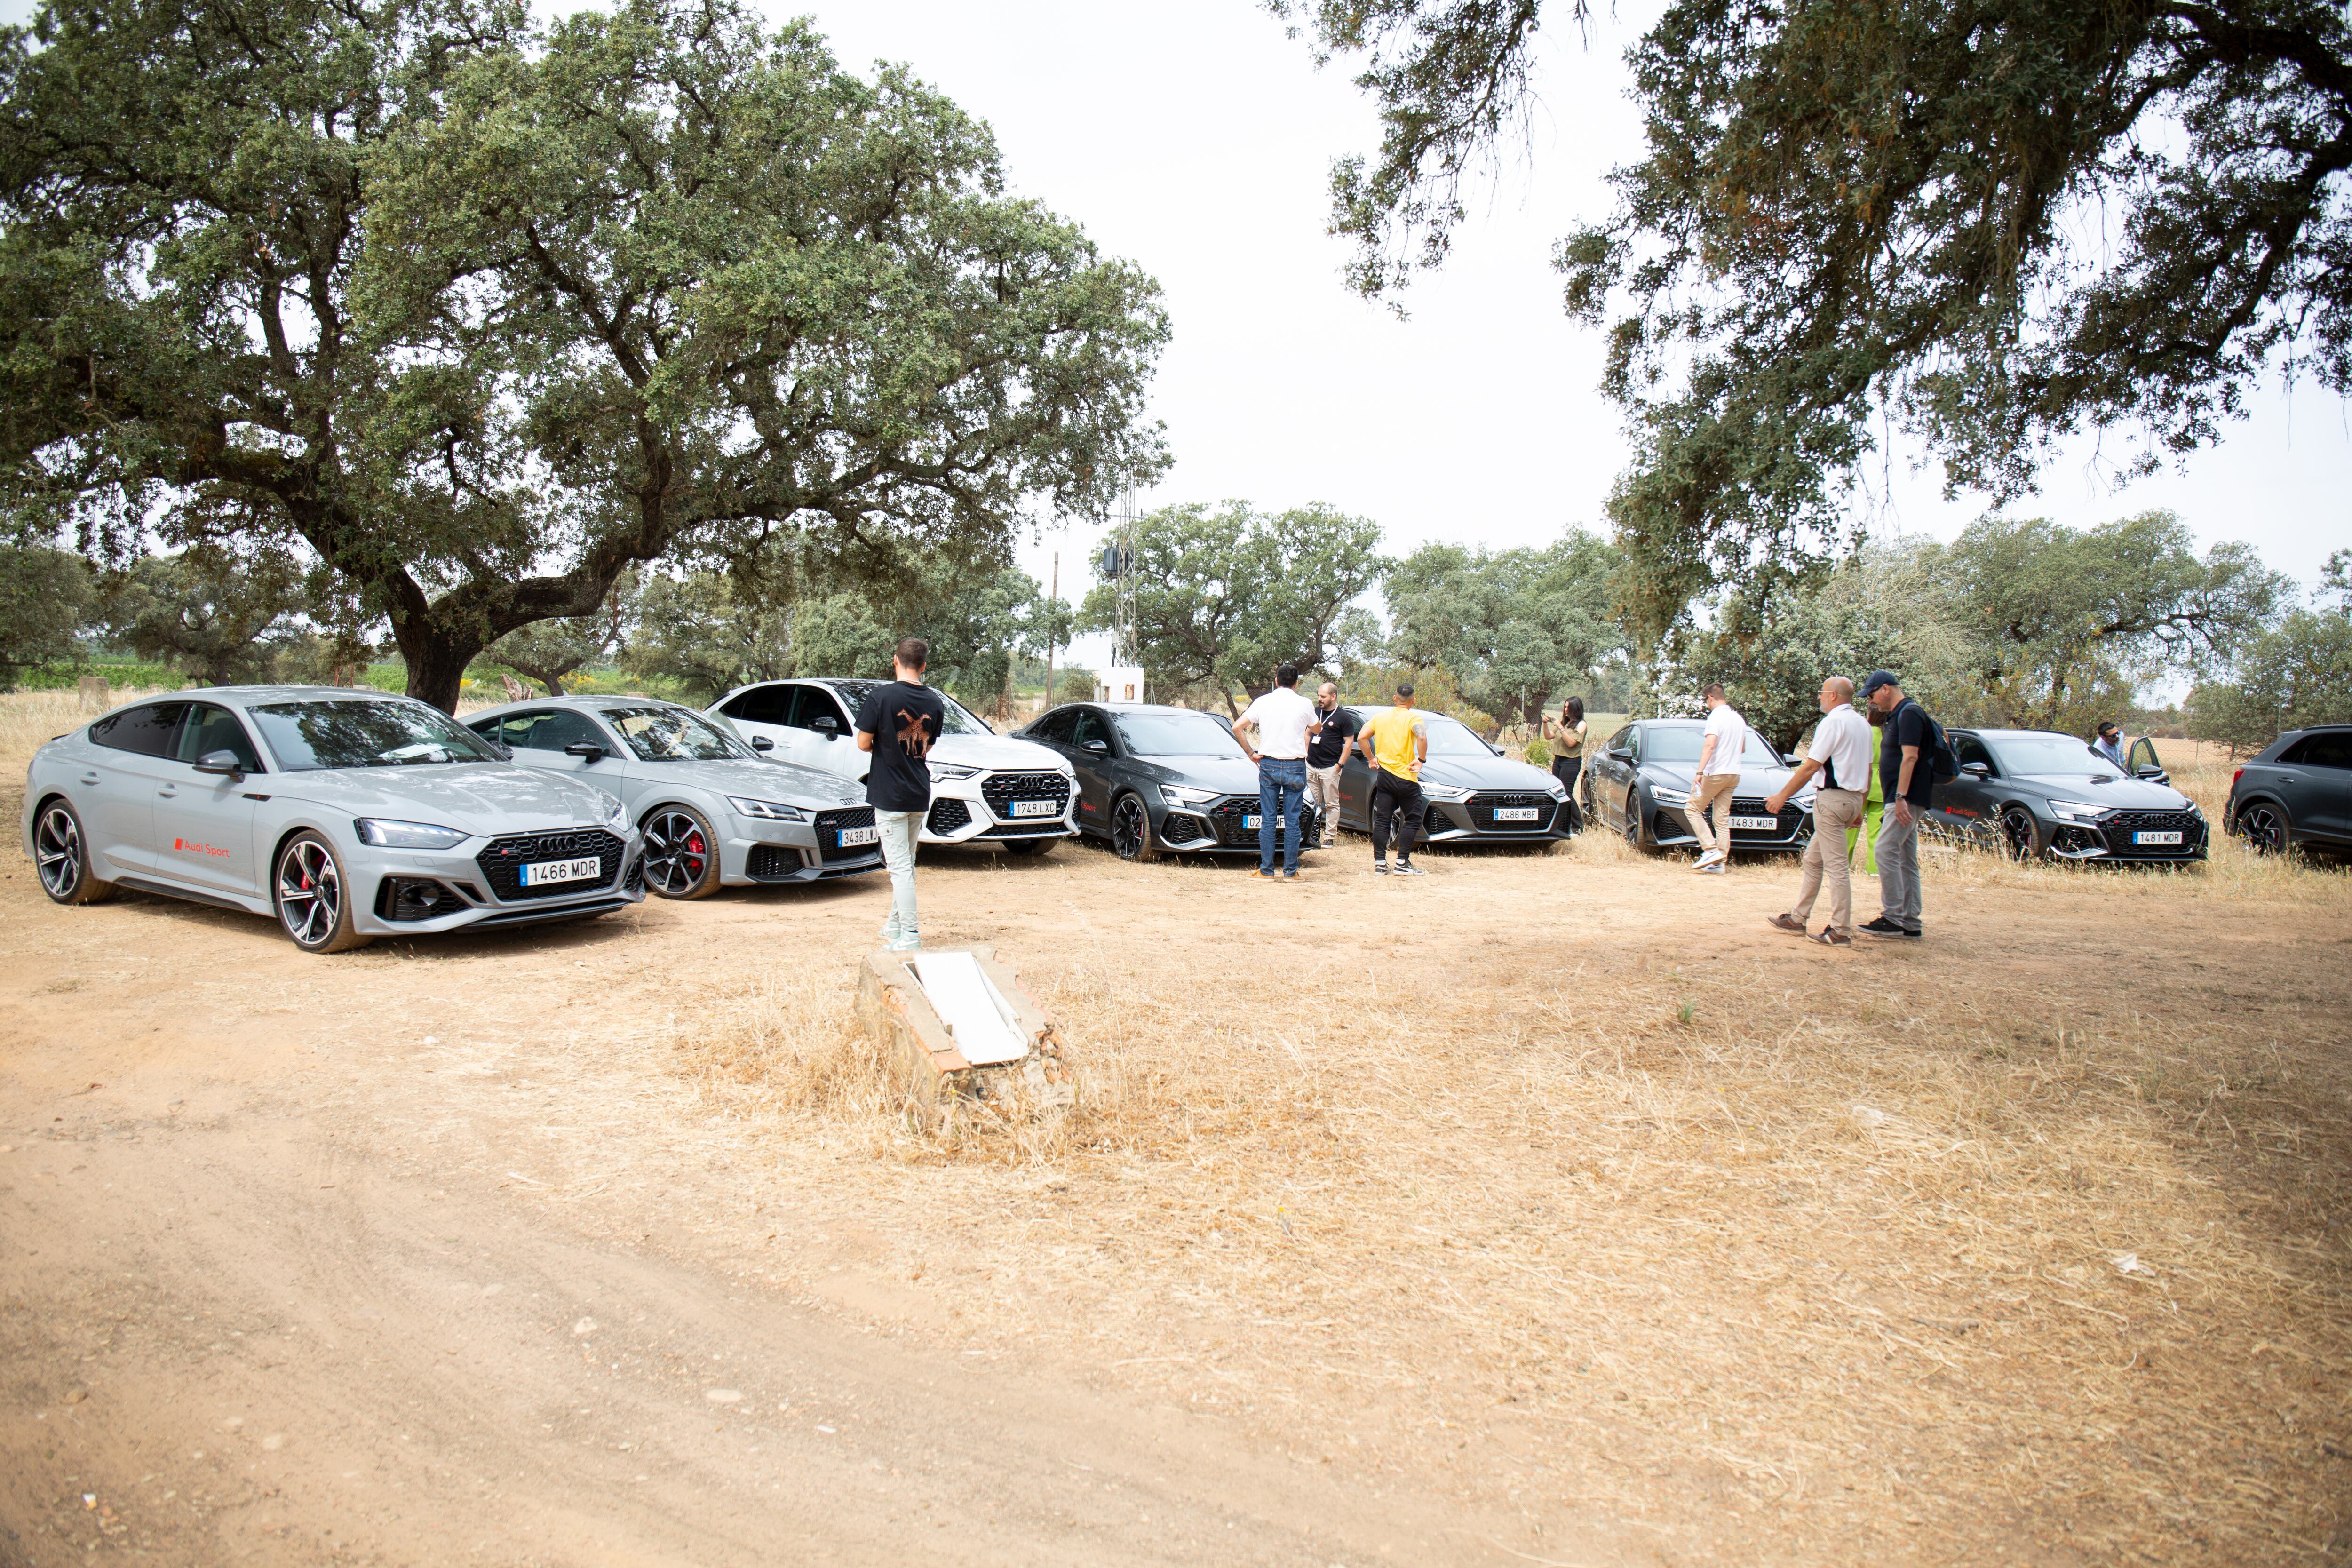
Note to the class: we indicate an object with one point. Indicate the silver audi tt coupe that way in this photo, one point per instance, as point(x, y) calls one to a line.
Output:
point(714, 811)
point(347, 814)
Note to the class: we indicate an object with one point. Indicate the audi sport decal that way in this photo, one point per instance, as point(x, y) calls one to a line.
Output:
point(190, 846)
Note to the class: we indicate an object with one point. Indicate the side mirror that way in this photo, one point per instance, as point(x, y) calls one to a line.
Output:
point(586, 751)
point(1097, 748)
point(1494, 748)
point(2154, 774)
point(1976, 769)
point(828, 727)
point(222, 763)
point(1619, 754)
point(761, 744)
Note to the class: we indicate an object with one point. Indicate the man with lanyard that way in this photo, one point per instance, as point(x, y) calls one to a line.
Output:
point(897, 723)
point(1719, 756)
point(1281, 720)
point(1326, 755)
point(2110, 746)
point(1907, 776)
point(1841, 754)
point(1396, 744)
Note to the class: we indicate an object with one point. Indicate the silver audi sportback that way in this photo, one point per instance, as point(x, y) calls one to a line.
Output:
point(347, 814)
point(714, 811)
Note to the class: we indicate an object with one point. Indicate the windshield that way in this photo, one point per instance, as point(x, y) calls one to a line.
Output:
point(666, 735)
point(2046, 754)
point(960, 721)
point(1452, 737)
point(1176, 735)
point(1680, 745)
point(306, 736)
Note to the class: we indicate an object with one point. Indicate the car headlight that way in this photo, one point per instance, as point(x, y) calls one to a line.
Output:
point(618, 820)
point(1445, 792)
point(384, 835)
point(2077, 810)
point(1669, 796)
point(1185, 794)
point(1557, 789)
point(765, 810)
point(952, 771)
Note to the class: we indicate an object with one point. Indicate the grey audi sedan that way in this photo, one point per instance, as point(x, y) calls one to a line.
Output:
point(714, 812)
point(347, 814)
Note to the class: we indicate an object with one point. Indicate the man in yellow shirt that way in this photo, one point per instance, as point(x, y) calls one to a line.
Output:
point(1396, 744)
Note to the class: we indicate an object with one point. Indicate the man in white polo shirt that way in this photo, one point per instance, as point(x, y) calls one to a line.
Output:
point(1719, 757)
point(1841, 754)
point(1274, 731)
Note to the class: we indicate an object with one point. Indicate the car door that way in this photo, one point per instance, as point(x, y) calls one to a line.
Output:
point(1356, 781)
point(825, 734)
point(763, 712)
point(1094, 752)
point(203, 822)
point(2321, 801)
point(1964, 803)
point(115, 791)
point(1620, 774)
point(539, 737)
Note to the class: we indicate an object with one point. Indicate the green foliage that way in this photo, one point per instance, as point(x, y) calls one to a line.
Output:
point(2295, 675)
point(706, 634)
point(1075, 685)
point(48, 599)
point(482, 317)
point(550, 651)
point(1989, 228)
point(2073, 621)
point(1226, 594)
point(221, 618)
point(1514, 626)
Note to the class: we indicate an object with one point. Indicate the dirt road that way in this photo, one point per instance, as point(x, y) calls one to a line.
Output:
point(1543, 1217)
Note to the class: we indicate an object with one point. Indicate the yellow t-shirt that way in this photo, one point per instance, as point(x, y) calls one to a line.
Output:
point(1392, 741)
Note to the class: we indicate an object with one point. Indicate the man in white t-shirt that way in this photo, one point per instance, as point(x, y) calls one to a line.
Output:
point(1841, 754)
point(1274, 731)
point(1718, 775)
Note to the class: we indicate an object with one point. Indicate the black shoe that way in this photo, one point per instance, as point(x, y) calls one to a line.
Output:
point(1380, 868)
point(1407, 869)
point(1882, 926)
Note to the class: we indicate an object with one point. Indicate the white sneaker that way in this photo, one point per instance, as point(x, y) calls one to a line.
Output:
point(1707, 859)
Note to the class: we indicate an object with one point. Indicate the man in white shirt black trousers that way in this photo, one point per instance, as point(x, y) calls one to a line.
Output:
point(1841, 754)
point(1274, 731)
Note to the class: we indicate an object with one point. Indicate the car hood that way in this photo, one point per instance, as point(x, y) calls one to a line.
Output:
point(1752, 781)
point(1486, 773)
point(2107, 789)
point(776, 780)
point(1226, 776)
point(993, 752)
point(482, 798)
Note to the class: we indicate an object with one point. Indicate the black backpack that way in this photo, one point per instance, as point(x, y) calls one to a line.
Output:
point(1943, 762)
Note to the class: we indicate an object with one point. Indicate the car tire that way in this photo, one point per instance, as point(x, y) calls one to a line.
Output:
point(1634, 835)
point(1029, 847)
point(682, 855)
point(62, 855)
point(312, 896)
point(2020, 839)
point(2265, 828)
point(1130, 829)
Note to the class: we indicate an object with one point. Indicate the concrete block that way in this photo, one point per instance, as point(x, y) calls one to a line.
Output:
point(942, 1091)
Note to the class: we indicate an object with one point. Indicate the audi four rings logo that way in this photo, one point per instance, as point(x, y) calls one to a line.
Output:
point(190, 846)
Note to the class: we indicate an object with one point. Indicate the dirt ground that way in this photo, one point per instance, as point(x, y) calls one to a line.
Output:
point(1548, 1209)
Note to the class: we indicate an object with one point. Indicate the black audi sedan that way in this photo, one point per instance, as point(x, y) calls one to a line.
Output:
point(1640, 784)
point(2039, 793)
point(1154, 779)
point(2295, 794)
point(1474, 795)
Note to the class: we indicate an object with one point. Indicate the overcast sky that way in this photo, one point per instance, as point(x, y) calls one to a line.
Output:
point(1195, 139)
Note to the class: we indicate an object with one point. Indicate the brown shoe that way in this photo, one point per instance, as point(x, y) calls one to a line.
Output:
point(1830, 936)
point(1788, 923)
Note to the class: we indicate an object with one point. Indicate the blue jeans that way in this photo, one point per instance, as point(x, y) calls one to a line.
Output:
point(1280, 781)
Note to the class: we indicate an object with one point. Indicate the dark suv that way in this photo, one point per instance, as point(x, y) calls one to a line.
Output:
point(2297, 793)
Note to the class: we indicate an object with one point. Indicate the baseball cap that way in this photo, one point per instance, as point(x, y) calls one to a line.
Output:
point(1874, 680)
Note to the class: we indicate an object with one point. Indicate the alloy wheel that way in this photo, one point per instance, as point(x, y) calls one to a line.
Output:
point(310, 893)
point(57, 849)
point(1130, 828)
point(2264, 827)
point(2017, 833)
point(1633, 817)
point(678, 852)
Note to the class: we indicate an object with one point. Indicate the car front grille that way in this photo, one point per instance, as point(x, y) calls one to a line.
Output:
point(2120, 826)
point(1044, 824)
point(773, 863)
point(502, 861)
point(829, 825)
point(1229, 816)
point(1792, 817)
point(947, 815)
point(1001, 790)
point(1483, 806)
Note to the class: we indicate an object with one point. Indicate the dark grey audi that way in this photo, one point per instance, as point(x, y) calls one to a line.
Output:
point(1154, 779)
point(1473, 793)
point(2039, 793)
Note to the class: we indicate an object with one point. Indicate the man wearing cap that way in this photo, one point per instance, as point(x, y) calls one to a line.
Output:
point(1841, 754)
point(1906, 779)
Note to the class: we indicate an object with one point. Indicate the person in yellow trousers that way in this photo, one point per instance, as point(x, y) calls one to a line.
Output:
point(1876, 804)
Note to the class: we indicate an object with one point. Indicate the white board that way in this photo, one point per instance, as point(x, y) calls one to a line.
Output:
point(984, 1027)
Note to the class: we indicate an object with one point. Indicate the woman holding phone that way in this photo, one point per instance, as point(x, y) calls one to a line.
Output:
point(1566, 734)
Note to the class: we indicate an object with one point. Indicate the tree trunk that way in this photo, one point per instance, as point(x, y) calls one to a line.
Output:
point(437, 665)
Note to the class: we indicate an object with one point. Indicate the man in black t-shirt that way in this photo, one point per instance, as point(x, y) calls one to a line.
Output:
point(897, 723)
point(1327, 752)
point(1906, 780)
